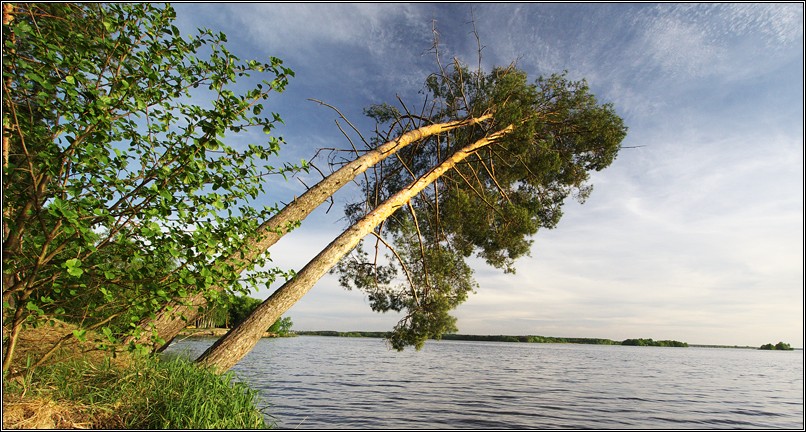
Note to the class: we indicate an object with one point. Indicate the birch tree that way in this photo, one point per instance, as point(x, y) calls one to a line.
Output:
point(122, 188)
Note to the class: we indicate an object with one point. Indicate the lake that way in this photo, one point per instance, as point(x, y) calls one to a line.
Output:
point(319, 382)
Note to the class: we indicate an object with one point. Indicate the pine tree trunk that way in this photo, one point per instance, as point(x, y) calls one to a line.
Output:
point(233, 346)
point(175, 316)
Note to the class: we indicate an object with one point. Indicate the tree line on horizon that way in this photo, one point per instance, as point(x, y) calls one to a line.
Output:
point(508, 338)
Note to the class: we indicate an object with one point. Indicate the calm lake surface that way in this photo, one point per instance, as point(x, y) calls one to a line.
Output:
point(358, 383)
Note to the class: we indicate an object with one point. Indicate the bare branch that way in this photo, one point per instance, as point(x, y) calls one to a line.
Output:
point(492, 177)
point(422, 250)
point(402, 265)
point(343, 117)
point(478, 44)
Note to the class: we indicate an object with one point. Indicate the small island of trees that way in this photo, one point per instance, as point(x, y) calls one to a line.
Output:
point(780, 346)
point(650, 342)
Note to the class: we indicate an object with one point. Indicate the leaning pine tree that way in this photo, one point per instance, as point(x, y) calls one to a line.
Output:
point(158, 330)
point(491, 188)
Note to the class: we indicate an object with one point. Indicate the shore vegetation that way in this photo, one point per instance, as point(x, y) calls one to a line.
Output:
point(86, 388)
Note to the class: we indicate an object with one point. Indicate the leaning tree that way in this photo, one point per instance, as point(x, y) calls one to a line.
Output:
point(159, 329)
point(481, 190)
point(126, 202)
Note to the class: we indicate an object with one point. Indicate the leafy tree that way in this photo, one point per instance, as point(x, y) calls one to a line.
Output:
point(120, 191)
point(494, 184)
point(240, 307)
point(650, 342)
point(779, 346)
point(491, 204)
point(783, 346)
point(281, 327)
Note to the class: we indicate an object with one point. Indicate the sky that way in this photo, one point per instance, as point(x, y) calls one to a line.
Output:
point(694, 234)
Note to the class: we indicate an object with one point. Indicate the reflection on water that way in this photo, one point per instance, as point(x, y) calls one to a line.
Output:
point(329, 382)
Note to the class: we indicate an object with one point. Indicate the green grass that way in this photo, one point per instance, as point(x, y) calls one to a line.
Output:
point(150, 393)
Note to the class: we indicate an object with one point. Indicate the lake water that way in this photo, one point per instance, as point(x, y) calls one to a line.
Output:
point(359, 383)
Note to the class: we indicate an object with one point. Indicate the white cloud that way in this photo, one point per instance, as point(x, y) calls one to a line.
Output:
point(681, 49)
point(697, 236)
point(725, 40)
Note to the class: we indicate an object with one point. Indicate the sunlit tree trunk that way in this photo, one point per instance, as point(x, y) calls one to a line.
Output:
point(175, 316)
point(232, 347)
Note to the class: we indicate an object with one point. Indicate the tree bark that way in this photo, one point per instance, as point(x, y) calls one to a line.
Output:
point(233, 346)
point(173, 317)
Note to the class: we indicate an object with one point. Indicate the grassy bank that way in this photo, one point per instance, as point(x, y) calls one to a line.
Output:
point(81, 387)
point(148, 393)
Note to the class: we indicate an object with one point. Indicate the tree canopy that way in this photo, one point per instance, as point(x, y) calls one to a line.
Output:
point(488, 206)
point(554, 125)
point(781, 346)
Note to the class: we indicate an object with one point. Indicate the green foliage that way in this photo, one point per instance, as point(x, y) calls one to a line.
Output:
point(232, 310)
point(478, 338)
point(343, 334)
point(779, 346)
point(240, 307)
point(123, 186)
point(529, 339)
point(650, 342)
point(490, 205)
point(149, 394)
point(281, 327)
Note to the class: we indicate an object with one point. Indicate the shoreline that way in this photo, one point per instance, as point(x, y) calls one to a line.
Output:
point(216, 332)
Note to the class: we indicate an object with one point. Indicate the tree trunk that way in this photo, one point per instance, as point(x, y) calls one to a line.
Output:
point(233, 346)
point(173, 317)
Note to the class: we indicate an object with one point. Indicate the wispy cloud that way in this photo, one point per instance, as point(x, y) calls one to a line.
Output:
point(696, 236)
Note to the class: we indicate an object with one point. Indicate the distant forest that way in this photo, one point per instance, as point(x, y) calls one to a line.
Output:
point(503, 338)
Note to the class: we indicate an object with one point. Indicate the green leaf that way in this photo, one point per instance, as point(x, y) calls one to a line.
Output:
point(73, 267)
point(33, 307)
point(22, 27)
point(80, 334)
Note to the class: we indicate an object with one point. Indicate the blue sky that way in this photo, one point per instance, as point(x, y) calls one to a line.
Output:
point(695, 236)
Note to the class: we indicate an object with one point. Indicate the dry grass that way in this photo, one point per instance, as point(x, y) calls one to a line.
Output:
point(80, 387)
point(34, 342)
point(26, 412)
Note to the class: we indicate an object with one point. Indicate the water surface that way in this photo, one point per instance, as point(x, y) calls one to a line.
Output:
point(333, 382)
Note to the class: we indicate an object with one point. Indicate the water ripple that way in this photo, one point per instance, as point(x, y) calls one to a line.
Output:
point(319, 382)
